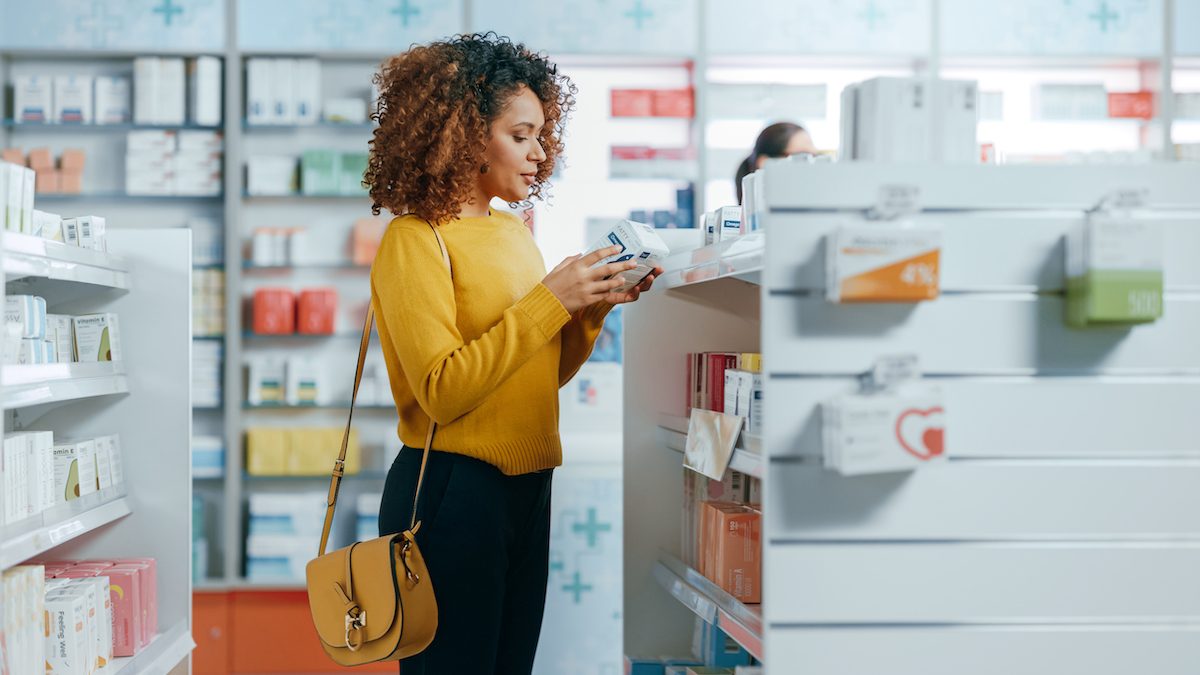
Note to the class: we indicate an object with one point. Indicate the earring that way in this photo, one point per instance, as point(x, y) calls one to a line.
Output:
point(483, 169)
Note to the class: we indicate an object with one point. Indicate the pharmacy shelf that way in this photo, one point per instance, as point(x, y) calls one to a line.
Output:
point(29, 256)
point(370, 475)
point(250, 267)
point(747, 454)
point(300, 336)
point(741, 622)
point(43, 127)
point(321, 406)
point(740, 258)
point(320, 126)
point(121, 197)
point(25, 386)
point(680, 170)
point(165, 651)
point(36, 535)
point(301, 196)
point(102, 54)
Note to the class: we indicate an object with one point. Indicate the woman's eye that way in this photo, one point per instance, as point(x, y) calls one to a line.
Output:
point(520, 139)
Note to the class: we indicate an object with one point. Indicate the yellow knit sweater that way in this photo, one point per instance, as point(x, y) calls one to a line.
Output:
point(483, 354)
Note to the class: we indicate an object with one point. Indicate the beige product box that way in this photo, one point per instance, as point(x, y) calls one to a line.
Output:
point(74, 470)
point(66, 637)
point(103, 464)
point(60, 329)
point(639, 243)
point(97, 338)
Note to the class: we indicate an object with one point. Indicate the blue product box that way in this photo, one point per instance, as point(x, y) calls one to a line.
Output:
point(664, 219)
point(640, 216)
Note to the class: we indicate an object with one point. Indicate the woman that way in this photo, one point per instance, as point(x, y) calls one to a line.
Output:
point(777, 140)
point(483, 348)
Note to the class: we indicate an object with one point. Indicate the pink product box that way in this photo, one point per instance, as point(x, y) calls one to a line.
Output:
point(149, 594)
point(125, 588)
point(77, 573)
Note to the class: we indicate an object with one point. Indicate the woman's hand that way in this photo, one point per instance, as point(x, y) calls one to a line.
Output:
point(577, 284)
point(634, 293)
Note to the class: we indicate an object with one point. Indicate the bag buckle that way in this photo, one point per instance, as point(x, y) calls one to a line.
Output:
point(354, 624)
point(413, 577)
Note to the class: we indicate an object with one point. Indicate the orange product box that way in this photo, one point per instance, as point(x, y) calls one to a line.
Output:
point(70, 181)
point(72, 159)
point(738, 552)
point(274, 311)
point(316, 311)
point(674, 103)
point(1131, 105)
point(40, 158)
point(48, 180)
point(368, 232)
point(632, 102)
point(13, 156)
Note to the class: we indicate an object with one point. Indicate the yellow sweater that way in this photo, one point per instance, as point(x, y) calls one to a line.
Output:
point(485, 354)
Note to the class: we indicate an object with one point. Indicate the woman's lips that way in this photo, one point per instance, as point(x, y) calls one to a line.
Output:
point(529, 178)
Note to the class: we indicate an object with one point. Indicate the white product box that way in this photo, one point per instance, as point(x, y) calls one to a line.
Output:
point(100, 594)
point(955, 123)
point(52, 227)
point(97, 338)
point(41, 474)
point(289, 514)
point(86, 589)
point(33, 99)
point(303, 381)
point(890, 431)
point(103, 465)
point(145, 90)
point(282, 94)
point(164, 142)
point(66, 633)
point(883, 262)
point(116, 461)
point(196, 140)
point(271, 175)
point(198, 184)
point(113, 101)
point(27, 313)
point(60, 330)
point(346, 110)
point(724, 223)
point(744, 397)
point(197, 162)
point(172, 92)
point(73, 99)
point(205, 86)
point(306, 91)
point(891, 120)
point(145, 183)
point(640, 243)
point(27, 192)
point(30, 353)
point(258, 92)
point(86, 232)
point(12, 195)
point(74, 470)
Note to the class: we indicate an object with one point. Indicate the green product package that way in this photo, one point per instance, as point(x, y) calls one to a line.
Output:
point(319, 172)
point(353, 166)
point(1114, 297)
point(1114, 271)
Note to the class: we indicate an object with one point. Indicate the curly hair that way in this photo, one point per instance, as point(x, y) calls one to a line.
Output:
point(435, 108)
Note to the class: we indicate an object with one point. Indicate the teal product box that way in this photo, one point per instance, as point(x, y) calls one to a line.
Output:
point(1114, 270)
point(712, 646)
point(319, 172)
point(350, 176)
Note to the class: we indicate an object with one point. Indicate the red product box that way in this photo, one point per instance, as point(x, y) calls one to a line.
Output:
point(632, 102)
point(368, 233)
point(632, 152)
point(274, 311)
point(317, 311)
point(674, 103)
point(1132, 105)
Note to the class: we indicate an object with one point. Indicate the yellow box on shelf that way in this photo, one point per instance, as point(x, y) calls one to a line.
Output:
point(303, 451)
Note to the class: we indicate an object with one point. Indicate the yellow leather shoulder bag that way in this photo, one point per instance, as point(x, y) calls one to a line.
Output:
point(373, 601)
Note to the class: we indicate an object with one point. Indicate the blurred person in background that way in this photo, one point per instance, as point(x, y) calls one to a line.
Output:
point(780, 139)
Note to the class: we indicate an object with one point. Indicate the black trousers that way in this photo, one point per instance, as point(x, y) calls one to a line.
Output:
point(486, 541)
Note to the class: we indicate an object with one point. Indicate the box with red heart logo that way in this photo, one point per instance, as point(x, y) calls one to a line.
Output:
point(890, 431)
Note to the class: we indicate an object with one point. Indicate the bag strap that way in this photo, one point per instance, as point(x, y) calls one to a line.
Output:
point(339, 465)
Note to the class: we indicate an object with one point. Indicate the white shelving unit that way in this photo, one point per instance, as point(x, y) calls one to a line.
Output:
point(149, 287)
point(1061, 533)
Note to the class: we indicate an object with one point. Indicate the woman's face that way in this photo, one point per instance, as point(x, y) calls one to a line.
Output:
point(513, 151)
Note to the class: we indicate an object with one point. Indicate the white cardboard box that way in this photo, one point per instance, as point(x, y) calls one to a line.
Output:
point(112, 96)
point(73, 99)
point(145, 90)
point(172, 102)
point(33, 99)
point(205, 89)
point(306, 91)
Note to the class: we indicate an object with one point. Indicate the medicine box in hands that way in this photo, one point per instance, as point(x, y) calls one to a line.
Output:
point(1114, 271)
point(883, 263)
point(638, 242)
point(885, 432)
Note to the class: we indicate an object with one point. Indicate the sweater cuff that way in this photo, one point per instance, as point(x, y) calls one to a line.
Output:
point(545, 309)
point(593, 315)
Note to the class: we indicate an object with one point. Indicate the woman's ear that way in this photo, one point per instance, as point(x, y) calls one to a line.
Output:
point(759, 162)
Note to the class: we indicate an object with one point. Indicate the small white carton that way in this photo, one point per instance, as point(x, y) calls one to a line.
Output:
point(97, 338)
point(112, 100)
point(32, 99)
point(73, 99)
point(638, 242)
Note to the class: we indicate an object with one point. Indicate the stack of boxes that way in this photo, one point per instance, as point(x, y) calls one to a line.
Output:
point(288, 92)
point(174, 163)
point(283, 534)
point(706, 373)
point(17, 187)
point(897, 119)
point(63, 176)
point(280, 311)
point(38, 472)
point(208, 457)
point(683, 217)
point(208, 302)
point(329, 172)
point(301, 451)
point(206, 373)
point(722, 224)
point(32, 336)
